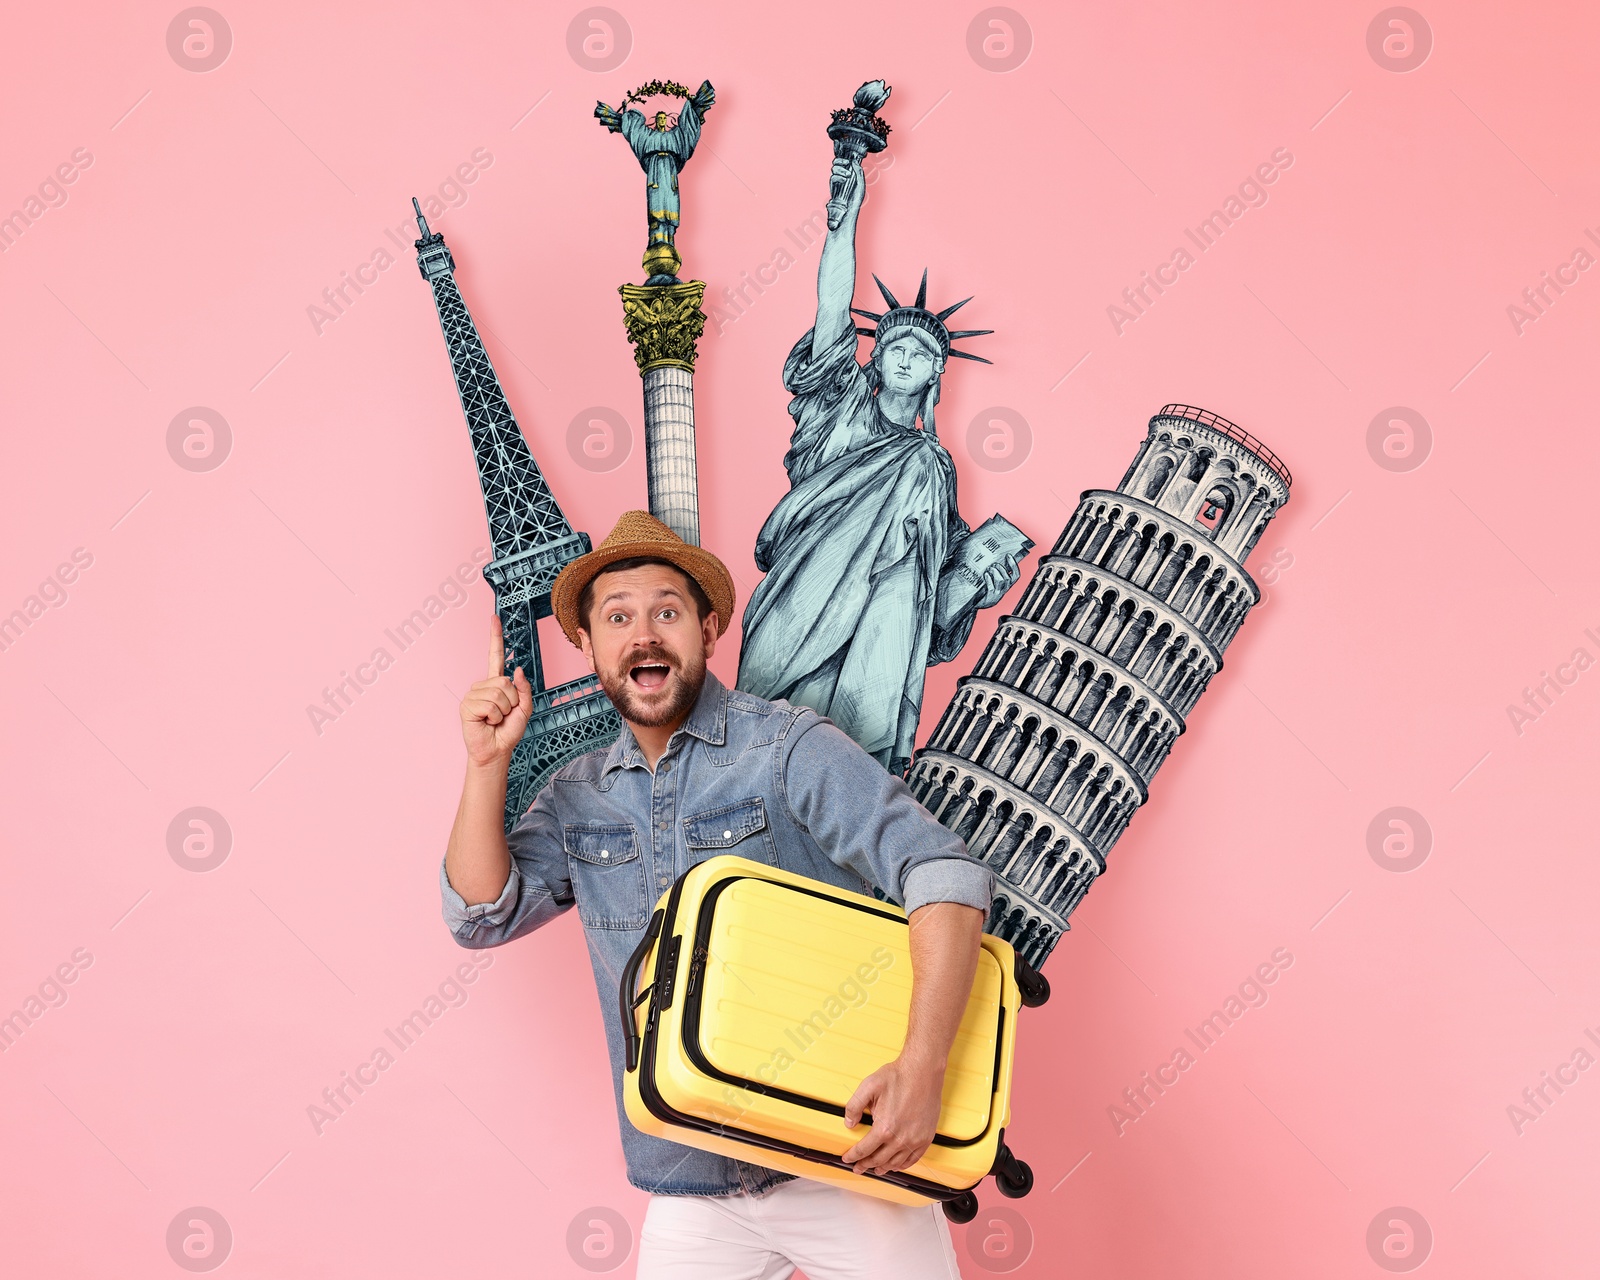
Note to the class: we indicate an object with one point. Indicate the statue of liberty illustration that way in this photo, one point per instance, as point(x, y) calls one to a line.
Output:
point(872, 575)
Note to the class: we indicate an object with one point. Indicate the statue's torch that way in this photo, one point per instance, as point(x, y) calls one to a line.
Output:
point(855, 131)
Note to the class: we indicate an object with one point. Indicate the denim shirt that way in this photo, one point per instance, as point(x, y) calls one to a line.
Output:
point(764, 780)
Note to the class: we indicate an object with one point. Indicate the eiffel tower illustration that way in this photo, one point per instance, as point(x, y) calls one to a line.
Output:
point(532, 541)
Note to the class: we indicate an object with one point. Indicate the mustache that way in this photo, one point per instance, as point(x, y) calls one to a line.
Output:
point(664, 656)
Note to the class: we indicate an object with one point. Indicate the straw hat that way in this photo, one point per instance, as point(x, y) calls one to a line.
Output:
point(638, 533)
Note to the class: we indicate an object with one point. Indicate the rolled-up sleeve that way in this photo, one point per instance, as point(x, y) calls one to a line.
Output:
point(537, 890)
point(866, 819)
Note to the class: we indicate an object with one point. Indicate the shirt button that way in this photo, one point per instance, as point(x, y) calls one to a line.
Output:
point(605, 853)
point(727, 835)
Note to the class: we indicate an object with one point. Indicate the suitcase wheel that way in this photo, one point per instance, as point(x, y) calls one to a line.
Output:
point(1015, 1181)
point(964, 1208)
point(1033, 986)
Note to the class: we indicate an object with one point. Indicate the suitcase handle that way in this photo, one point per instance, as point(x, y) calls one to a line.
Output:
point(627, 1000)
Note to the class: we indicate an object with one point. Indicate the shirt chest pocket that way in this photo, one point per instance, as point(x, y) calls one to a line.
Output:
point(608, 878)
point(740, 828)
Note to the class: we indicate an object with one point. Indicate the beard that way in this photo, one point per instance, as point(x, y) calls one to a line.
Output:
point(662, 704)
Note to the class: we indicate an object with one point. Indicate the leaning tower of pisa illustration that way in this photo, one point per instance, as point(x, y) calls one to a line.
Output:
point(1049, 746)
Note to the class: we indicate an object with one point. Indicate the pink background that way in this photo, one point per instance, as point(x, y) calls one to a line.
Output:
point(1405, 609)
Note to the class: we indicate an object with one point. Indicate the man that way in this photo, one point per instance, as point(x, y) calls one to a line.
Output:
point(647, 610)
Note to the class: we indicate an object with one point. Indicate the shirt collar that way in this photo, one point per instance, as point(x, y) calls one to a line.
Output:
point(708, 721)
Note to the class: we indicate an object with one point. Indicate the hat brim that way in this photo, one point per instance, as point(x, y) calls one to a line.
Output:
point(700, 565)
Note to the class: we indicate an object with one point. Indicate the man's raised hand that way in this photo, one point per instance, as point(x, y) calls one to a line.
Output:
point(495, 712)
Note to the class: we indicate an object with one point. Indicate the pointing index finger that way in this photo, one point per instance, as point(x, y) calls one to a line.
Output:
point(497, 648)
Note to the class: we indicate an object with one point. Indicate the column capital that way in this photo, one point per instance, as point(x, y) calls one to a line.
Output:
point(663, 322)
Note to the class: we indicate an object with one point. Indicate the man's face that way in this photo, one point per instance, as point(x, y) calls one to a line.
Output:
point(907, 365)
point(644, 642)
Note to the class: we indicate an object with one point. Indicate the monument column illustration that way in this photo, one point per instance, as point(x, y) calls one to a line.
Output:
point(1050, 744)
point(531, 541)
point(663, 316)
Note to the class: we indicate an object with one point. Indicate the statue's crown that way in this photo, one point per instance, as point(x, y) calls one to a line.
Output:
point(897, 319)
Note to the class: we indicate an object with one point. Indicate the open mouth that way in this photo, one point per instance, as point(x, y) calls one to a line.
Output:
point(650, 674)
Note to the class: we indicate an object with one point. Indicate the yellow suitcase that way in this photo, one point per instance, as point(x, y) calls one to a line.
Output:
point(771, 996)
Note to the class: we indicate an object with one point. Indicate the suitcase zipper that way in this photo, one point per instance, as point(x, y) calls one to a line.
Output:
point(697, 964)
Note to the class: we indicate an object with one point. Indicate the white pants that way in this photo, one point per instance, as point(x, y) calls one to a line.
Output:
point(825, 1231)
